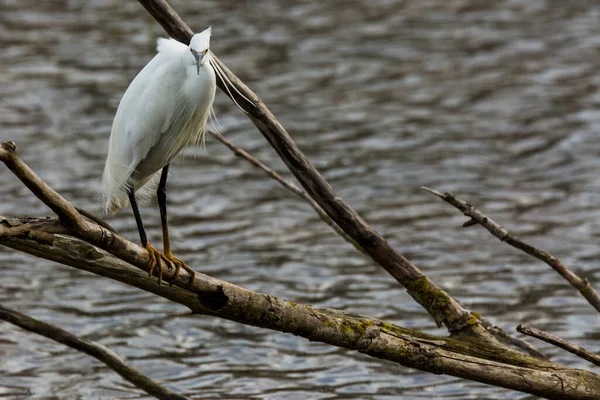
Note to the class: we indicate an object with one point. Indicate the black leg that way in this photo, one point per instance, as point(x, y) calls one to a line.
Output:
point(136, 214)
point(161, 194)
point(155, 255)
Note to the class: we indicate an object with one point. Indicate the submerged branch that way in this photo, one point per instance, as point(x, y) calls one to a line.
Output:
point(96, 350)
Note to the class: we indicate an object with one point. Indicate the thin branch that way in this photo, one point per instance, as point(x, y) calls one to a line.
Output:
point(238, 151)
point(441, 306)
point(477, 217)
point(96, 350)
point(558, 342)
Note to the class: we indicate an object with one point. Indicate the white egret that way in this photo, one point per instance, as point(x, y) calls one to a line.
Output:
point(165, 109)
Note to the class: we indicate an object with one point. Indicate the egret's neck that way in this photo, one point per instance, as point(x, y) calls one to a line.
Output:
point(200, 84)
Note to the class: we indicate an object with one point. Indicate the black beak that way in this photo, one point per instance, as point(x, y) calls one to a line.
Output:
point(199, 57)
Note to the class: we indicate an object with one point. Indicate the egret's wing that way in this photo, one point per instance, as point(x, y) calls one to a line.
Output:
point(147, 111)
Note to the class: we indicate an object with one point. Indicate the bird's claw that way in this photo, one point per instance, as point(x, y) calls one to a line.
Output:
point(156, 259)
point(178, 265)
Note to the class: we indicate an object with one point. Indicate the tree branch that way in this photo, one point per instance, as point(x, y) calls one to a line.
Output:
point(462, 357)
point(66, 212)
point(558, 342)
point(466, 356)
point(441, 306)
point(75, 223)
point(477, 217)
point(469, 353)
point(96, 350)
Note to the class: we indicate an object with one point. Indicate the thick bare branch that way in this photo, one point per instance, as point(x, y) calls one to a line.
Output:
point(96, 350)
point(462, 357)
point(477, 217)
point(466, 356)
point(558, 342)
point(441, 306)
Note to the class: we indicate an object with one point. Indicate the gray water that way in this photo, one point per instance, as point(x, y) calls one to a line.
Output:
point(495, 101)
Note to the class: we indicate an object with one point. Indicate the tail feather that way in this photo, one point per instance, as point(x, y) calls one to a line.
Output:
point(114, 186)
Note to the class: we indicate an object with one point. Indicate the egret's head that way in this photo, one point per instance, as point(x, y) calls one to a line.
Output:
point(199, 47)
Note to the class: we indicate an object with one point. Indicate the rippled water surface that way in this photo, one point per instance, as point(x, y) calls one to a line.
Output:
point(495, 101)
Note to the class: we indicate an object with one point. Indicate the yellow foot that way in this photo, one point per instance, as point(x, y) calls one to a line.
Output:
point(155, 261)
point(178, 265)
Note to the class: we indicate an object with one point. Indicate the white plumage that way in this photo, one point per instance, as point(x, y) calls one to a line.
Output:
point(165, 108)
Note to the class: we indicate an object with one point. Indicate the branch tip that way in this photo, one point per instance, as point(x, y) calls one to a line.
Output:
point(6, 149)
point(470, 222)
point(433, 191)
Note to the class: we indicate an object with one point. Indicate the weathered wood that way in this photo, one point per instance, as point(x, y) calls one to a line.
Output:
point(458, 357)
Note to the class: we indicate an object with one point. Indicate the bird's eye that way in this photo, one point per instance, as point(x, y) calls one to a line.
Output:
point(193, 51)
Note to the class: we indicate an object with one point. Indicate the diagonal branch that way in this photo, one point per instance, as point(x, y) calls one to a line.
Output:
point(96, 350)
point(477, 217)
point(441, 306)
point(558, 342)
point(66, 212)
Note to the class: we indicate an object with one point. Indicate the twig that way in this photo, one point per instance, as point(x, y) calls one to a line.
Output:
point(444, 309)
point(558, 342)
point(238, 151)
point(509, 340)
point(477, 217)
point(96, 350)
